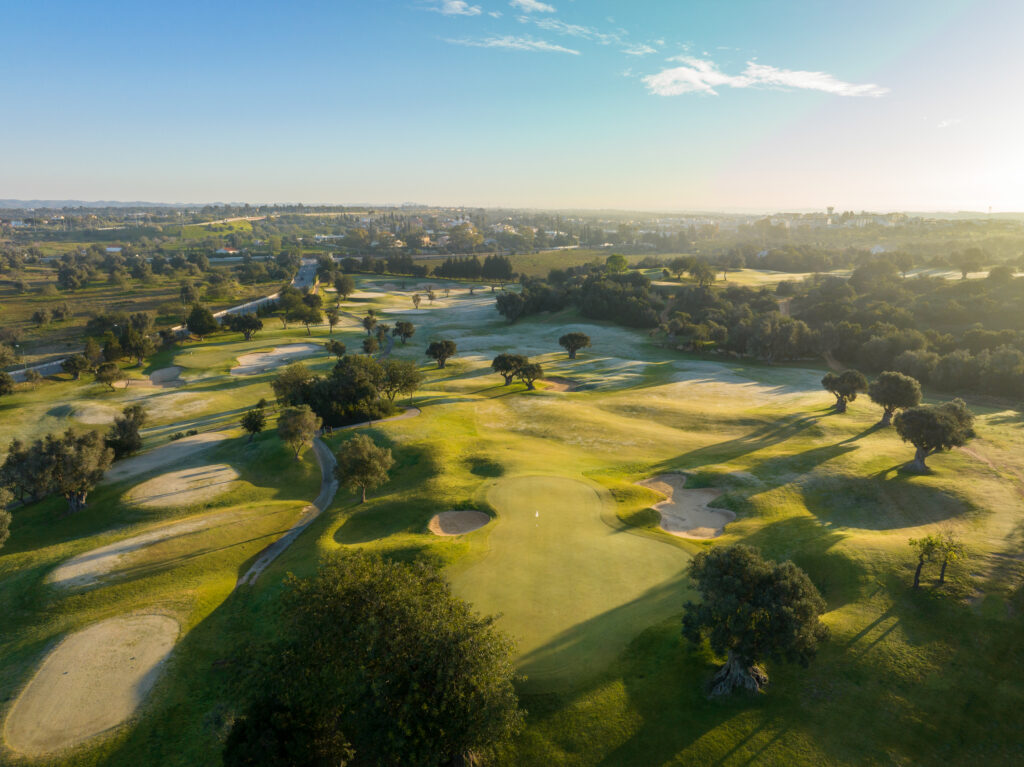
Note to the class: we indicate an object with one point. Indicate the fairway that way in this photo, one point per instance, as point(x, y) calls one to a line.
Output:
point(571, 588)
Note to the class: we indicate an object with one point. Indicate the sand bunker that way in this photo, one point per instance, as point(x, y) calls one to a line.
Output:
point(261, 362)
point(457, 522)
point(166, 377)
point(555, 383)
point(165, 455)
point(685, 513)
point(92, 681)
point(86, 569)
point(184, 487)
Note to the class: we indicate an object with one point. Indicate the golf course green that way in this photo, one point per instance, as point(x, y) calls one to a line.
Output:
point(570, 582)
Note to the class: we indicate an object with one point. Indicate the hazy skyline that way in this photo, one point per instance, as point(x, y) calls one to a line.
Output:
point(659, 106)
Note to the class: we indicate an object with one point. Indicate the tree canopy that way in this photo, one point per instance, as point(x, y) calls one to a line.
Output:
point(123, 437)
point(441, 351)
point(380, 661)
point(201, 322)
point(297, 426)
point(508, 365)
point(362, 465)
point(844, 387)
point(893, 391)
point(752, 609)
point(573, 342)
point(935, 428)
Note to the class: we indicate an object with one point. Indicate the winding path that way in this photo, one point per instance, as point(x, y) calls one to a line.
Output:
point(328, 489)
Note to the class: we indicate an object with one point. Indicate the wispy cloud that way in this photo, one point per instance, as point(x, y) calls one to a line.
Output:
point(703, 76)
point(949, 122)
point(532, 6)
point(455, 8)
point(639, 49)
point(571, 30)
point(515, 43)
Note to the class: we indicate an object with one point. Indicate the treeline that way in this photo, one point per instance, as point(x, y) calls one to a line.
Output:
point(623, 297)
point(470, 268)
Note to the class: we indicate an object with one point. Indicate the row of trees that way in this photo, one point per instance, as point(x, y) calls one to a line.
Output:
point(929, 428)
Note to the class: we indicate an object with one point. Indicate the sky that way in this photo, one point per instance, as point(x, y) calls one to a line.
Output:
point(730, 105)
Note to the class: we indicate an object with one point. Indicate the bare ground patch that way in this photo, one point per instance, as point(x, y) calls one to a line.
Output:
point(686, 513)
point(184, 487)
point(261, 362)
point(94, 680)
point(450, 523)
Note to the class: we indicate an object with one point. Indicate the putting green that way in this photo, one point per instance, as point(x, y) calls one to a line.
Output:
point(572, 588)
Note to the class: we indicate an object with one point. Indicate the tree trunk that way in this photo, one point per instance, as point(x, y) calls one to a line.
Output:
point(917, 572)
point(918, 465)
point(76, 502)
point(886, 418)
point(364, 494)
point(942, 571)
point(572, 354)
point(308, 332)
point(529, 385)
point(738, 673)
point(508, 379)
point(840, 404)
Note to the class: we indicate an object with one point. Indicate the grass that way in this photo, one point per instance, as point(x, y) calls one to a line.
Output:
point(928, 677)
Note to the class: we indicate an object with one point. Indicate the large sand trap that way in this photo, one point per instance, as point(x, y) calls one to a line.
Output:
point(685, 513)
point(166, 377)
point(184, 487)
point(85, 569)
point(457, 522)
point(92, 681)
point(261, 362)
point(165, 455)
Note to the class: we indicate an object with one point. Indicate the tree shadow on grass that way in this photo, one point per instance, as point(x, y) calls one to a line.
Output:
point(770, 434)
point(878, 502)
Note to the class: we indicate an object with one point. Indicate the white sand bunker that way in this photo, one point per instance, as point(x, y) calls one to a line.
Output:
point(261, 362)
point(685, 513)
point(184, 487)
point(166, 377)
point(86, 569)
point(457, 522)
point(165, 455)
point(92, 681)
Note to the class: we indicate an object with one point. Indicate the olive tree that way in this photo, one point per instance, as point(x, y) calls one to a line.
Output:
point(894, 391)
point(507, 366)
point(752, 609)
point(76, 463)
point(109, 374)
point(934, 429)
point(362, 465)
point(441, 351)
point(573, 342)
point(529, 373)
point(296, 426)
point(124, 437)
point(404, 330)
point(5, 515)
point(254, 421)
point(844, 387)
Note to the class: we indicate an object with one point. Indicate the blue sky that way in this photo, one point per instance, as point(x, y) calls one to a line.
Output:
point(689, 104)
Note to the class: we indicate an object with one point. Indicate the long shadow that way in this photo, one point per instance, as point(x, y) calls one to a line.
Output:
point(768, 435)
